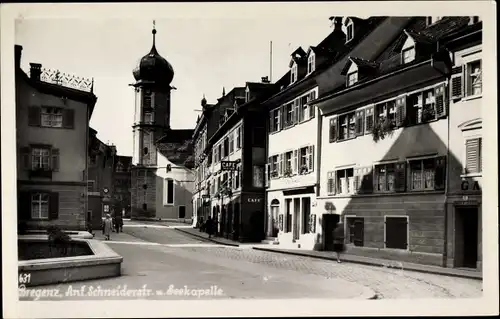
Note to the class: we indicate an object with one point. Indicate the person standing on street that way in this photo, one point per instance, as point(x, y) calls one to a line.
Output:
point(209, 226)
point(338, 240)
point(119, 223)
point(108, 226)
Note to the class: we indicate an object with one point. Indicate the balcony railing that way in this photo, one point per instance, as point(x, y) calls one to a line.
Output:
point(66, 80)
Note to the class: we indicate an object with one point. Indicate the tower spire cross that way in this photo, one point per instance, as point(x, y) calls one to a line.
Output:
point(154, 32)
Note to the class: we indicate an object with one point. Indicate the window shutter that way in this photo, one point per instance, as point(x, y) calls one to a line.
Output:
point(55, 159)
point(68, 118)
point(440, 173)
point(457, 85)
point(357, 178)
point(280, 165)
point(300, 113)
point(26, 158)
point(311, 158)
point(54, 206)
point(366, 186)
point(333, 129)
point(401, 111)
point(400, 177)
point(282, 111)
point(360, 122)
point(330, 189)
point(312, 223)
point(440, 105)
point(24, 205)
point(296, 111)
point(369, 119)
point(34, 116)
point(472, 157)
point(312, 110)
point(295, 167)
point(271, 122)
point(268, 175)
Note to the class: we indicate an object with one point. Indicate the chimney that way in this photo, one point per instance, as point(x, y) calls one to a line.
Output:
point(18, 52)
point(265, 79)
point(35, 71)
point(337, 22)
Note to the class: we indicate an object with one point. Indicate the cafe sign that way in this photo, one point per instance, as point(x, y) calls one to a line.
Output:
point(254, 200)
point(228, 165)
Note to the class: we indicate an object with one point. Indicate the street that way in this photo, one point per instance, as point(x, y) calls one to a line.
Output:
point(162, 258)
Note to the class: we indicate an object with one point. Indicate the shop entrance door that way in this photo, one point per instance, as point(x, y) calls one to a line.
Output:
point(296, 218)
point(466, 235)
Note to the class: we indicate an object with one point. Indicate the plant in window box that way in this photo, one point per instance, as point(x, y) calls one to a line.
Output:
point(383, 128)
point(428, 114)
point(288, 173)
point(274, 174)
point(304, 169)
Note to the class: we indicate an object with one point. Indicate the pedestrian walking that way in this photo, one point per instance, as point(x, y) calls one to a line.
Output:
point(107, 227)
point(119, 223)
point(338, 240)
point(209, 226)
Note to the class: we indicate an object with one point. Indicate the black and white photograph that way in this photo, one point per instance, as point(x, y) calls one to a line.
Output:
point(244, 159)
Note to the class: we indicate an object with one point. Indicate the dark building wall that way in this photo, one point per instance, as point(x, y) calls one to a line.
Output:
point(143, 195)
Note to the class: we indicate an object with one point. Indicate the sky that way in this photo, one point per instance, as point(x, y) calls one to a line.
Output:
point(207, 54)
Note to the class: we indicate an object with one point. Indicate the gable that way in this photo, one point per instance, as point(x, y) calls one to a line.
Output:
point(352, 68)
point(409, 42)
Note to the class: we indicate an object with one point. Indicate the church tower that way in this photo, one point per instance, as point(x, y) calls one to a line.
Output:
point(153, 76)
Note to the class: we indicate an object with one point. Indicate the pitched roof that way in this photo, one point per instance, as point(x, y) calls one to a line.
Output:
point(361, 63)
point(176, 136)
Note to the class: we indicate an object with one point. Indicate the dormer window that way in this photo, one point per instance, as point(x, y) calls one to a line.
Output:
point(352, 78)
point(311, 63)
point(293, 73)
point(408, 55)
point(247, 95)
point(349, 30)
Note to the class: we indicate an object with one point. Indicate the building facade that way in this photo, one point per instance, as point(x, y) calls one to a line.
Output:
point(161, 179)
point(294, 142)
point(387, 138)
point(122, 184)
point(52, 119)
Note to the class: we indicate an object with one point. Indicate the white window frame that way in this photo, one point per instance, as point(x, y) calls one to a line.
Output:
point(407, 232)
point(405, 59)
point(231, 143)
point(165, 192)
point(293, 73)
point(352, 78)
point(469, 75)
point(375, 182)
point(311, 63)
point(288, 161)
point(472, 130)
point(338, 183)
point(51, 116)
point(408, 175)
point(42, 154)
point(349, 31)
point(238, 138)
point(38, 199)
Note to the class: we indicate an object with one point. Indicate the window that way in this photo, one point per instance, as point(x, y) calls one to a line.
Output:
point(345, 181)
point(182, 211)
point(408, 55)
point(386, 110)
point(385, 177)
point(225, 149)
point(231, 143)
point(473, 149)
point(311, 63)
point(120, 168)
point(288, 211)
point(347, 127)
point(52, 117)
point(396, 232)
point(146, 99)
point(306, 215)
point(90, 186)
point(349, 31)
point(40, 159)
point(427, 174)
point(303, 160)
point(274, 166)
point(237, 179)
point(473, 78)
point(247, 96)
point(355, 230)
point(40, 206)
point(275, 122)
point(219, 152)
point(289, 114)
point(168, 191)
point(288, 163)
point(352, 78)
point(428, 110)
point(293, 73)
point(148, 117)
point(238, 138)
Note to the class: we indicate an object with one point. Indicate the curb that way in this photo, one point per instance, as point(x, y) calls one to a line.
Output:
point(207, 239)
point(467, 276)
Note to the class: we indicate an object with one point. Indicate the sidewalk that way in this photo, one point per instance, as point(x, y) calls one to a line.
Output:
point(219, 240)
point(327, 255)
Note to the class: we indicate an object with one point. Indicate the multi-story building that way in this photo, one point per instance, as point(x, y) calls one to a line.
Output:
point(463, 209)
point(52, 120)
point(294, 140)
point(122, 184)
point(385, 148)
point(161, 179)
point(101, 161)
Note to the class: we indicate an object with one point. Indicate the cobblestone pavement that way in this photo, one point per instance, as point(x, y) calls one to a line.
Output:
point(388, 283)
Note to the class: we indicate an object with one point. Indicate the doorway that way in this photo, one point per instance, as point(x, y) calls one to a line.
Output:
point(296, 218)
point(466, 237)
point(330, 221)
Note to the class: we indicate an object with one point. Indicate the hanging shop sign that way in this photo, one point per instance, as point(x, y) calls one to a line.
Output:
point(228, 165)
